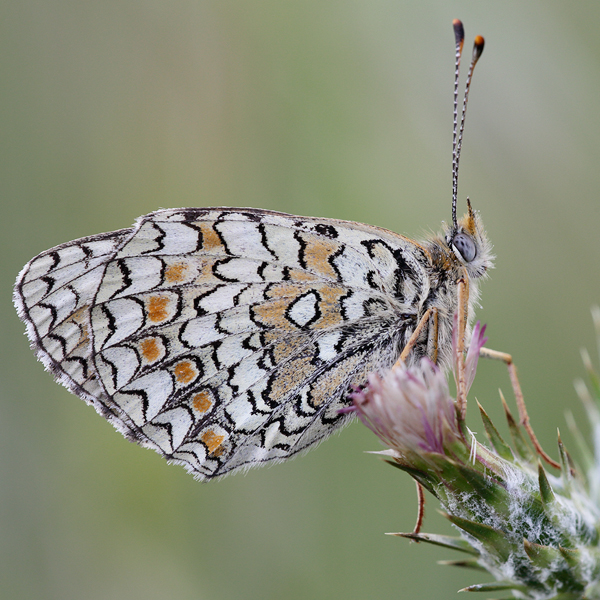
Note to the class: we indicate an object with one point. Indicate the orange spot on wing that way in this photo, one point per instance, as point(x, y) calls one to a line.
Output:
point(202, 401)
point(211, 242)
point(212, 441)
point(286, 290)
point(157, 308)
point(317, 253)
point(272, 314)
point(303, 276)
point(176, 272)
point(205, 271)
point(185, 371)
point(150, 349)
point(331, 310)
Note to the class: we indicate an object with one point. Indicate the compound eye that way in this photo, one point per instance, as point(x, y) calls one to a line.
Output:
point(465, 246)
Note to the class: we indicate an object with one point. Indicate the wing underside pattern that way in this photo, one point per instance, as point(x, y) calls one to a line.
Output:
point(223, 338)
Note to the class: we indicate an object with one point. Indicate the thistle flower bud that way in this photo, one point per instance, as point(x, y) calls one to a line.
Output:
point(410, 410)
point(537, 534)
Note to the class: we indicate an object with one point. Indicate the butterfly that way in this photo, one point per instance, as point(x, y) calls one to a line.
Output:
point(225, 338)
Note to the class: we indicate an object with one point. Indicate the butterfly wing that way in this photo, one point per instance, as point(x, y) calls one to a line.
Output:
point(223, 338)
point(53, 296)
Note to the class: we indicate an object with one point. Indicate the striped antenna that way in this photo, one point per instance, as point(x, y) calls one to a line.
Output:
point(457, 133)
point(459, 37)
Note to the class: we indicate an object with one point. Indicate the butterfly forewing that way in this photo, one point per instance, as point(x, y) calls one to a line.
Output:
point(223, 338)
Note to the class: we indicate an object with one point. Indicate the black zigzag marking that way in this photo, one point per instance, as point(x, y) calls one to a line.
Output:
point(264, 239)
point(158, 240)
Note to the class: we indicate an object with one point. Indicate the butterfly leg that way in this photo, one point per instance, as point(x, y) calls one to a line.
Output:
point(432, 342)
point(420, 508)
point(523, 416)
point(462, 313)
point(414, 338)
point(430, 315)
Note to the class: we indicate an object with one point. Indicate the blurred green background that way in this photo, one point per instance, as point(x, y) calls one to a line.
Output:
point(112, 109)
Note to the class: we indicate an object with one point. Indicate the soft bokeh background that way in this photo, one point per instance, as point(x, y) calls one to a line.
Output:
point(112, 109)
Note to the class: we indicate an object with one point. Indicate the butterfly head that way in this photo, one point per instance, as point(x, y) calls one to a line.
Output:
point(466, 239)
point(469, 243)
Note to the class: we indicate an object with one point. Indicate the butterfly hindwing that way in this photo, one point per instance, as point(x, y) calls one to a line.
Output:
point(223, 338)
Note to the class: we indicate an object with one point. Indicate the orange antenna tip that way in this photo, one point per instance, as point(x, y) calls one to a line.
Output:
point(478, 47)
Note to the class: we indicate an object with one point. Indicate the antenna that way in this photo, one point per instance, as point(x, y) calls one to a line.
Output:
point(457, 131)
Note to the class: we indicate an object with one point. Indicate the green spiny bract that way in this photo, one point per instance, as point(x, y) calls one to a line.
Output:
point(536, 533)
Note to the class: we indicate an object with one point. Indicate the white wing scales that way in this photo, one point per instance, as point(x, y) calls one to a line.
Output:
point(223, 338)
